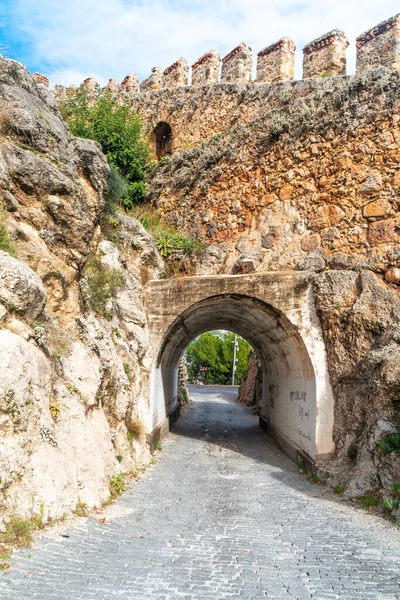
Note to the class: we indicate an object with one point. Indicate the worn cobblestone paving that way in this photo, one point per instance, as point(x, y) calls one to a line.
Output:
point(223, 515)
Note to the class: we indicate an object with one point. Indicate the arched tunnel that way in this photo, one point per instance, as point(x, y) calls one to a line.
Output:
point(289, 397)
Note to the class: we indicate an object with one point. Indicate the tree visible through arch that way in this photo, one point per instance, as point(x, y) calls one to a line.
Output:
point(162, 139)
point(210, 358)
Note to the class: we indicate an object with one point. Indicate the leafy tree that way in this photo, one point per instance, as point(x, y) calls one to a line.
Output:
point(119, 132)
point(210, 358)
point(242, 356)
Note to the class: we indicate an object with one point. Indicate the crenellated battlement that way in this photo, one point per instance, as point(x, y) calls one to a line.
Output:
point(205, 71)
point(237, 65)
point(39, 78)
point(177, 75)
point(276, 62)
point(379, 46)
point(326, 56)
point(322, 57)
point(154, 82)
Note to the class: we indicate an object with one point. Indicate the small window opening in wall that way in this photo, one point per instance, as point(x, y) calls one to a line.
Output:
point(162, 137)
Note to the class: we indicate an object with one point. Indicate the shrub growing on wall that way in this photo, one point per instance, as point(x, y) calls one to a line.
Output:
point(119, 132)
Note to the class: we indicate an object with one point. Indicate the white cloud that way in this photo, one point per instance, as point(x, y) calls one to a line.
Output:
point(109, 38)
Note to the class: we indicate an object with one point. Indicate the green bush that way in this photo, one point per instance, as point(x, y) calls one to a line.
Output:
point(168, 242)
point(390, 443)
point(369, 500)
point(116, 189)
point(301, 464)
point(119, 132)
point(390, 503)
point(117, 485)
point(99, 285)
point(184, 395)
point(352, 451)
point(395, 489)
point(174, 246)
point(18, 531)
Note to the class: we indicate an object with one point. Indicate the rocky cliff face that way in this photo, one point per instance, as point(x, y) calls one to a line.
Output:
point(73, 382)
point(360, 318)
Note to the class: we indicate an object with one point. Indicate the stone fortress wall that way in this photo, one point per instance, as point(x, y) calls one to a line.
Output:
point(333, 193)
point(222, 93)
point(323, 57)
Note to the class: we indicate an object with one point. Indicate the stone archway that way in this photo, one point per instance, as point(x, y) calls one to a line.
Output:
point(162, 140)
point(297, 402)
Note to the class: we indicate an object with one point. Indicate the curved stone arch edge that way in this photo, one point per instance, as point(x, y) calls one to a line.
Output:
point(308, 397)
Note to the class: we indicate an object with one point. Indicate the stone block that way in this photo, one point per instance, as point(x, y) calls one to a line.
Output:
point(205, 71)
point(392, 275)
point(311, 242)
point(379, 208)
point(39, 78)
point(60, 92)
point(237, 65)
point(113, 87)
point(379, 46)
point(386, 230)
point(154, 82)
point(177, 75)
point(326, 56)
point(276, 62)
point(130, 84)
point(90, 85)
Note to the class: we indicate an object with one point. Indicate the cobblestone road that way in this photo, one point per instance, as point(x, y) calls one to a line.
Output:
point(223, 515)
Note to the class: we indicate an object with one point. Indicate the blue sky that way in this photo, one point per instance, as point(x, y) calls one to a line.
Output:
point(69, 40)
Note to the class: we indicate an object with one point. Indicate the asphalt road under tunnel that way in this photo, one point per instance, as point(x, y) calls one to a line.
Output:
point(222, 515)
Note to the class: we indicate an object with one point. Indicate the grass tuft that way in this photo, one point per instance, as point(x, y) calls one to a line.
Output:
point(99, 285)
point(117, 485)
point(5, 242)
point(352, 451)
point(390, 443)
point(136, 429)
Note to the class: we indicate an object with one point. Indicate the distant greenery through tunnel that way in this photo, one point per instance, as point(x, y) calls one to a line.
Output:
point(210, 358)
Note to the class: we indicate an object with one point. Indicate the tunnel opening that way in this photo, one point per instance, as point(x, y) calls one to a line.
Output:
point(289, 395)
point(217, 357)
point(162, 140)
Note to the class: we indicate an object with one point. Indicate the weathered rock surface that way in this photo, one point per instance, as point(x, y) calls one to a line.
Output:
point(71, 386)
point(21, 290)
point(360, 319)
point(250, 389)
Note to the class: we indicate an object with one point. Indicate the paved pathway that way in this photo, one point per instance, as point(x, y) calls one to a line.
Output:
point(223, 515)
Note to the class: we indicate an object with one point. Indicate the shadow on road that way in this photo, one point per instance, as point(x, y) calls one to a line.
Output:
point(228, 428)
